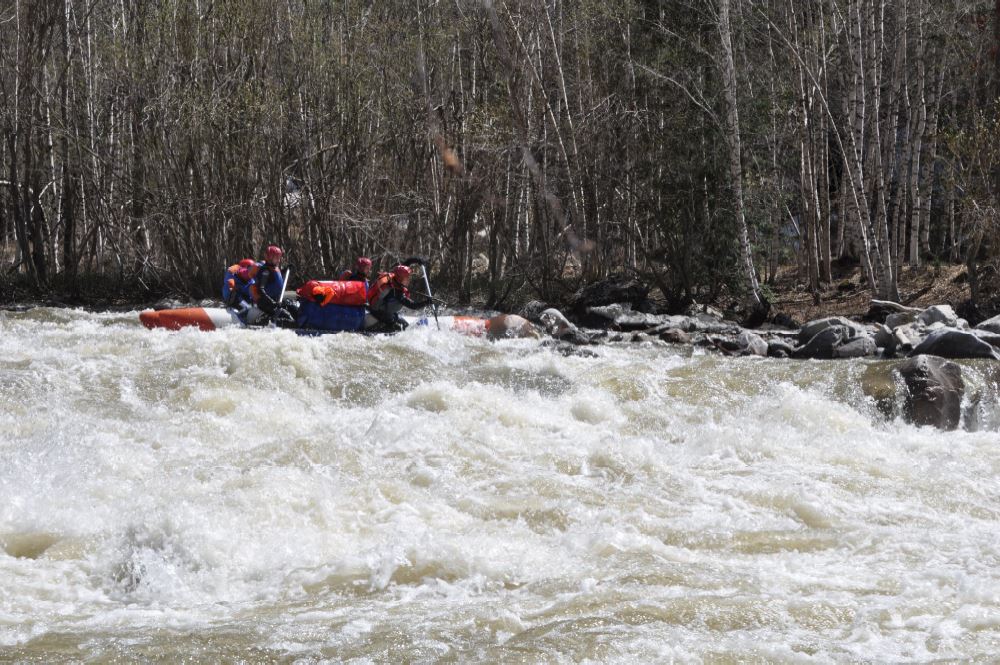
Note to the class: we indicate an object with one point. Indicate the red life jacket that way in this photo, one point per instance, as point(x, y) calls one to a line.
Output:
point(333, 292)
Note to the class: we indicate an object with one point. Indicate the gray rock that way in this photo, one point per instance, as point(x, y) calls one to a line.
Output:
point(697, 310)
point(560, 328)
point(610, 312)
point(532, 310)
point(675, 336)
point(934, 391)
point(993, 339)
point(823, 344)
point(859, 347)
point(900, 319)
point(938, 314)
point(951, 343)
point(811, 329)
point(990, 325)
point(884, 338)
point(752, 344)
point(779, 349)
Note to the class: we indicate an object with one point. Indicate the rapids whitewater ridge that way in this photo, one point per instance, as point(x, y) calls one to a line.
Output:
point(424, 496)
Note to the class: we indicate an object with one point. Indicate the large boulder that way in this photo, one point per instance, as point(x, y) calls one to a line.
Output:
point(837, 341)
point(990, 325)
point(557, 325)
point(934, 391)
point(951, 343)
point(811, 329)
point(938, 314)
point(861, 346)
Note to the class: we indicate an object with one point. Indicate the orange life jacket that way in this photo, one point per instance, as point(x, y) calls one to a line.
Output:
point(382, 287)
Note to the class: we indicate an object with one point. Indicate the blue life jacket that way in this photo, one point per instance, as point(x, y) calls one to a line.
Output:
point(231, 281)
point(275, 285)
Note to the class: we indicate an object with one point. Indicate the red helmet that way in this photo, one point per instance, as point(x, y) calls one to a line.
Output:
point(247, 263)
point(273, 254)
point(401, 274)
point(363, 264)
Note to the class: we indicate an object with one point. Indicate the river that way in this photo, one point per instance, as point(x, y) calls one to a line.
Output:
point(427, 496)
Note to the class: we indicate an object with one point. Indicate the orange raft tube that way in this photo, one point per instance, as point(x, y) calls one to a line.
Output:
point(214, 318)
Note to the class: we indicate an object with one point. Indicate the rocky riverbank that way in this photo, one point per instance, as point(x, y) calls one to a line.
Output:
point(922, 342)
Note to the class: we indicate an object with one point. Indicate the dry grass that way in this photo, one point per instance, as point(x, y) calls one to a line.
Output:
point(849, 296)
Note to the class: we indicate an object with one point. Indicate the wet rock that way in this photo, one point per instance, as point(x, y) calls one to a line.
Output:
point(938, 314)
point(640, 337)
point(990, 325)
point(823, 344)
point(532, 310)
point(557, 325)
point(675, 336)
point(505, 326)
point(810, 330)
point(779, 349)
point(951, 343)
point(752, 344)
point(934, 391)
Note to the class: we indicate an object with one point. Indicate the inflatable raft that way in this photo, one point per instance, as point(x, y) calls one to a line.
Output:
point(216, 318)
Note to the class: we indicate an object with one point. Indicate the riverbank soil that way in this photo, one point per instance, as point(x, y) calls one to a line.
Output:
point(849, 296)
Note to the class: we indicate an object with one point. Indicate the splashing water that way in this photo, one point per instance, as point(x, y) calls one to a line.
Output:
point(260, 495)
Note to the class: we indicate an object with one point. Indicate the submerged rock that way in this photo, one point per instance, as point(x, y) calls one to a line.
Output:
point(934, 391)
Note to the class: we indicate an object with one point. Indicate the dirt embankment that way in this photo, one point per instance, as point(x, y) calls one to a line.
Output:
point(849, 296)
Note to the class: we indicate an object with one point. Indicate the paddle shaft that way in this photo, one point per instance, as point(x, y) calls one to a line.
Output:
point(434, 307)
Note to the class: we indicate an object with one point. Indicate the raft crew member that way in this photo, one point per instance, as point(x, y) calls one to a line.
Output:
point(236, 289)
point(268, 282)
point(362, 268)
point(389, 294)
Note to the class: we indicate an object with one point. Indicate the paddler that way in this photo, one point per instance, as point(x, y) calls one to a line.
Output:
point(268, 282)
point(236, 288)
point(362, 268)
point(389, 294)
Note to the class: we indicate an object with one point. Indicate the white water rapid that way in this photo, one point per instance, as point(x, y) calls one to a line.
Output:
point(260, 496)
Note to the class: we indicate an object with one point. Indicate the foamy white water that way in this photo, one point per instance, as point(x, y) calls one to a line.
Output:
point(430, 496)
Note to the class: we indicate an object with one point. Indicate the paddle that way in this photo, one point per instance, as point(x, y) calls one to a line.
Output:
point(427, 285)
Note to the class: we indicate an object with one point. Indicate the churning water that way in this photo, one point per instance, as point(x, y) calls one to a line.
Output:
point(429, 496)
